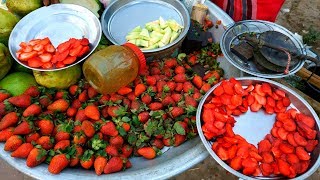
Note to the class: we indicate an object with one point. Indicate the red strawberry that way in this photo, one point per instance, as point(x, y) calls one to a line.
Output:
point(309, 121)
point(167, 101)
point(139, 89)
point(264, 146)
point(115, 111)
point(197, 81)
point(124, 91)
point(135, 105)
point(302, 154)
point(236, 163)
point(76, 157)
point(291, 140)
point(99, 164)
point(13, 143)
point(205, 87)
point(266, 169)
point(147, 152)
point(112, 150)
point(59, 105)
point(92, 112)
point(80, 116)
point(189, 101)
point(83, 96)
point(109, 129)
point(58, 163)
point(32, 110)
point(286, 148)
point(151, 81)
point(192, 59)
point(46, 142)
point(115, 164)
point(155, 106)
point(71, 112)
point(127, 150)
point(79, 139)
point(116, 141)
point(180, 78)
point(176, 97)
point(143, 116)
point(4, 95)
point(22, 151)
point(36, 157)
point(179, 70)
point(301, 141)
point(23, 128)
point(46, 126)
point(6, 134)
point(188, 87)
point(179, 87)
point(32, 137)
point(176, 111)
point(22, 101)
point(8, 120)
point(284, 167)
point(311, 145)
point(44, 101)
point(160, 85)
point(170, 63)
point(292, 159)
point(146, 99)
point(62, 145)
point(88, 128)
point(32, 91)
point(179, 139)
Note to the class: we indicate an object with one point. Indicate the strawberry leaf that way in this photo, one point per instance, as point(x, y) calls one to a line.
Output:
point(179, 129)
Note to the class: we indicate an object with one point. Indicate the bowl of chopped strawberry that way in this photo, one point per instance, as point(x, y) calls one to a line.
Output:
point(259, 129)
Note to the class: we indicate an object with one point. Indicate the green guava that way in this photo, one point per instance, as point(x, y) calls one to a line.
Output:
point(23, 7)
point(5, 61)
point(17, 83)
point(7, 23)
point(61, 79)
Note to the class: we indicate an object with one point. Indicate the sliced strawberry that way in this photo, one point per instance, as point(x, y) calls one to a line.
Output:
point(309, 121)
point(83, 51)
point(35, 62)
point(64, 47)
point(60, 64)
point(260, 99)
point(218, 91)
point(45, 57)
point(239, 89)
point(75, 51)
point(282, 133)
point(255, 107)
point(34, 42)
point(227, 87)
point(38, 47)
point(49, 48)
point(271, 102)
point(222, 154)
point(264, 146)
point(236, 100)
point(292, 159)
point(301, 141)
point(274, 132)
point(280, 93)
point(28, 55)
point(84, 42)
point(236, 163)
point(69, 60)
point(258, 90)
point(249, 162)
point(312, 144)
point(286, 101)
point(284, 167)
point(44, 41)
point(266, 88)
point(286, 148)
point(266, 169)
point(249, 170)
point(267, 157)
point(302, 154)
point(232, 151)
point(289, 125)
point(249, 89)
point(47, 65)
point(292, 112)
point(291, 140)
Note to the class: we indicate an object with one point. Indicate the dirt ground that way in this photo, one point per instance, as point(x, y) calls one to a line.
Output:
point(302, 14)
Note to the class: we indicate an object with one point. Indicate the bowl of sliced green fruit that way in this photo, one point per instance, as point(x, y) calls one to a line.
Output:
point(158, 27)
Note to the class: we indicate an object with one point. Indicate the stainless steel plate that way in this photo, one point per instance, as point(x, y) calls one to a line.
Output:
point(59, 22)
point(255, 125)
point(121, 16)
point(174, 161)
point(230, 37)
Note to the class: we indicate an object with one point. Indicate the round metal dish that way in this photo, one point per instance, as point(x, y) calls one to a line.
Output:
point(230, 37)
point(254, 126)
point(59, 22)
point(172, 162)
point(121, 16)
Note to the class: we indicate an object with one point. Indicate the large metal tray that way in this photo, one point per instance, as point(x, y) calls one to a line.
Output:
point(173, 162)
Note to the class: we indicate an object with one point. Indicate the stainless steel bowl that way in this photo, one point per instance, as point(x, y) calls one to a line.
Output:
point(59, 22)
point(254, 126)
point(121, 16)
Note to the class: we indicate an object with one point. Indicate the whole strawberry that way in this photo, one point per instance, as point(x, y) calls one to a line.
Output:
point(4, 95)
point(87, 159)
point(8, 120)
point(147, 152)
point(92, 112)
point(58, 163)
point(6, 134)
point(13, 143)
point(115, 164)
point(99, 165)
point(46, 127)
point(60, 105)
point(36, 157)
point(32, 110)
point(22, 101)
point(22, 151)
point(109, 129)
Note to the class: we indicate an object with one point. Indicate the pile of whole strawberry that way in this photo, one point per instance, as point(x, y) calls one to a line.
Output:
point(40, 53)
point(283, 152)
point(80, 127)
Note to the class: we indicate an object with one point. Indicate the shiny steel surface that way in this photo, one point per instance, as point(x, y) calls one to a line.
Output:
point(172, 162)
point(59, 22)
point(121, 16)
point(254, 126)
